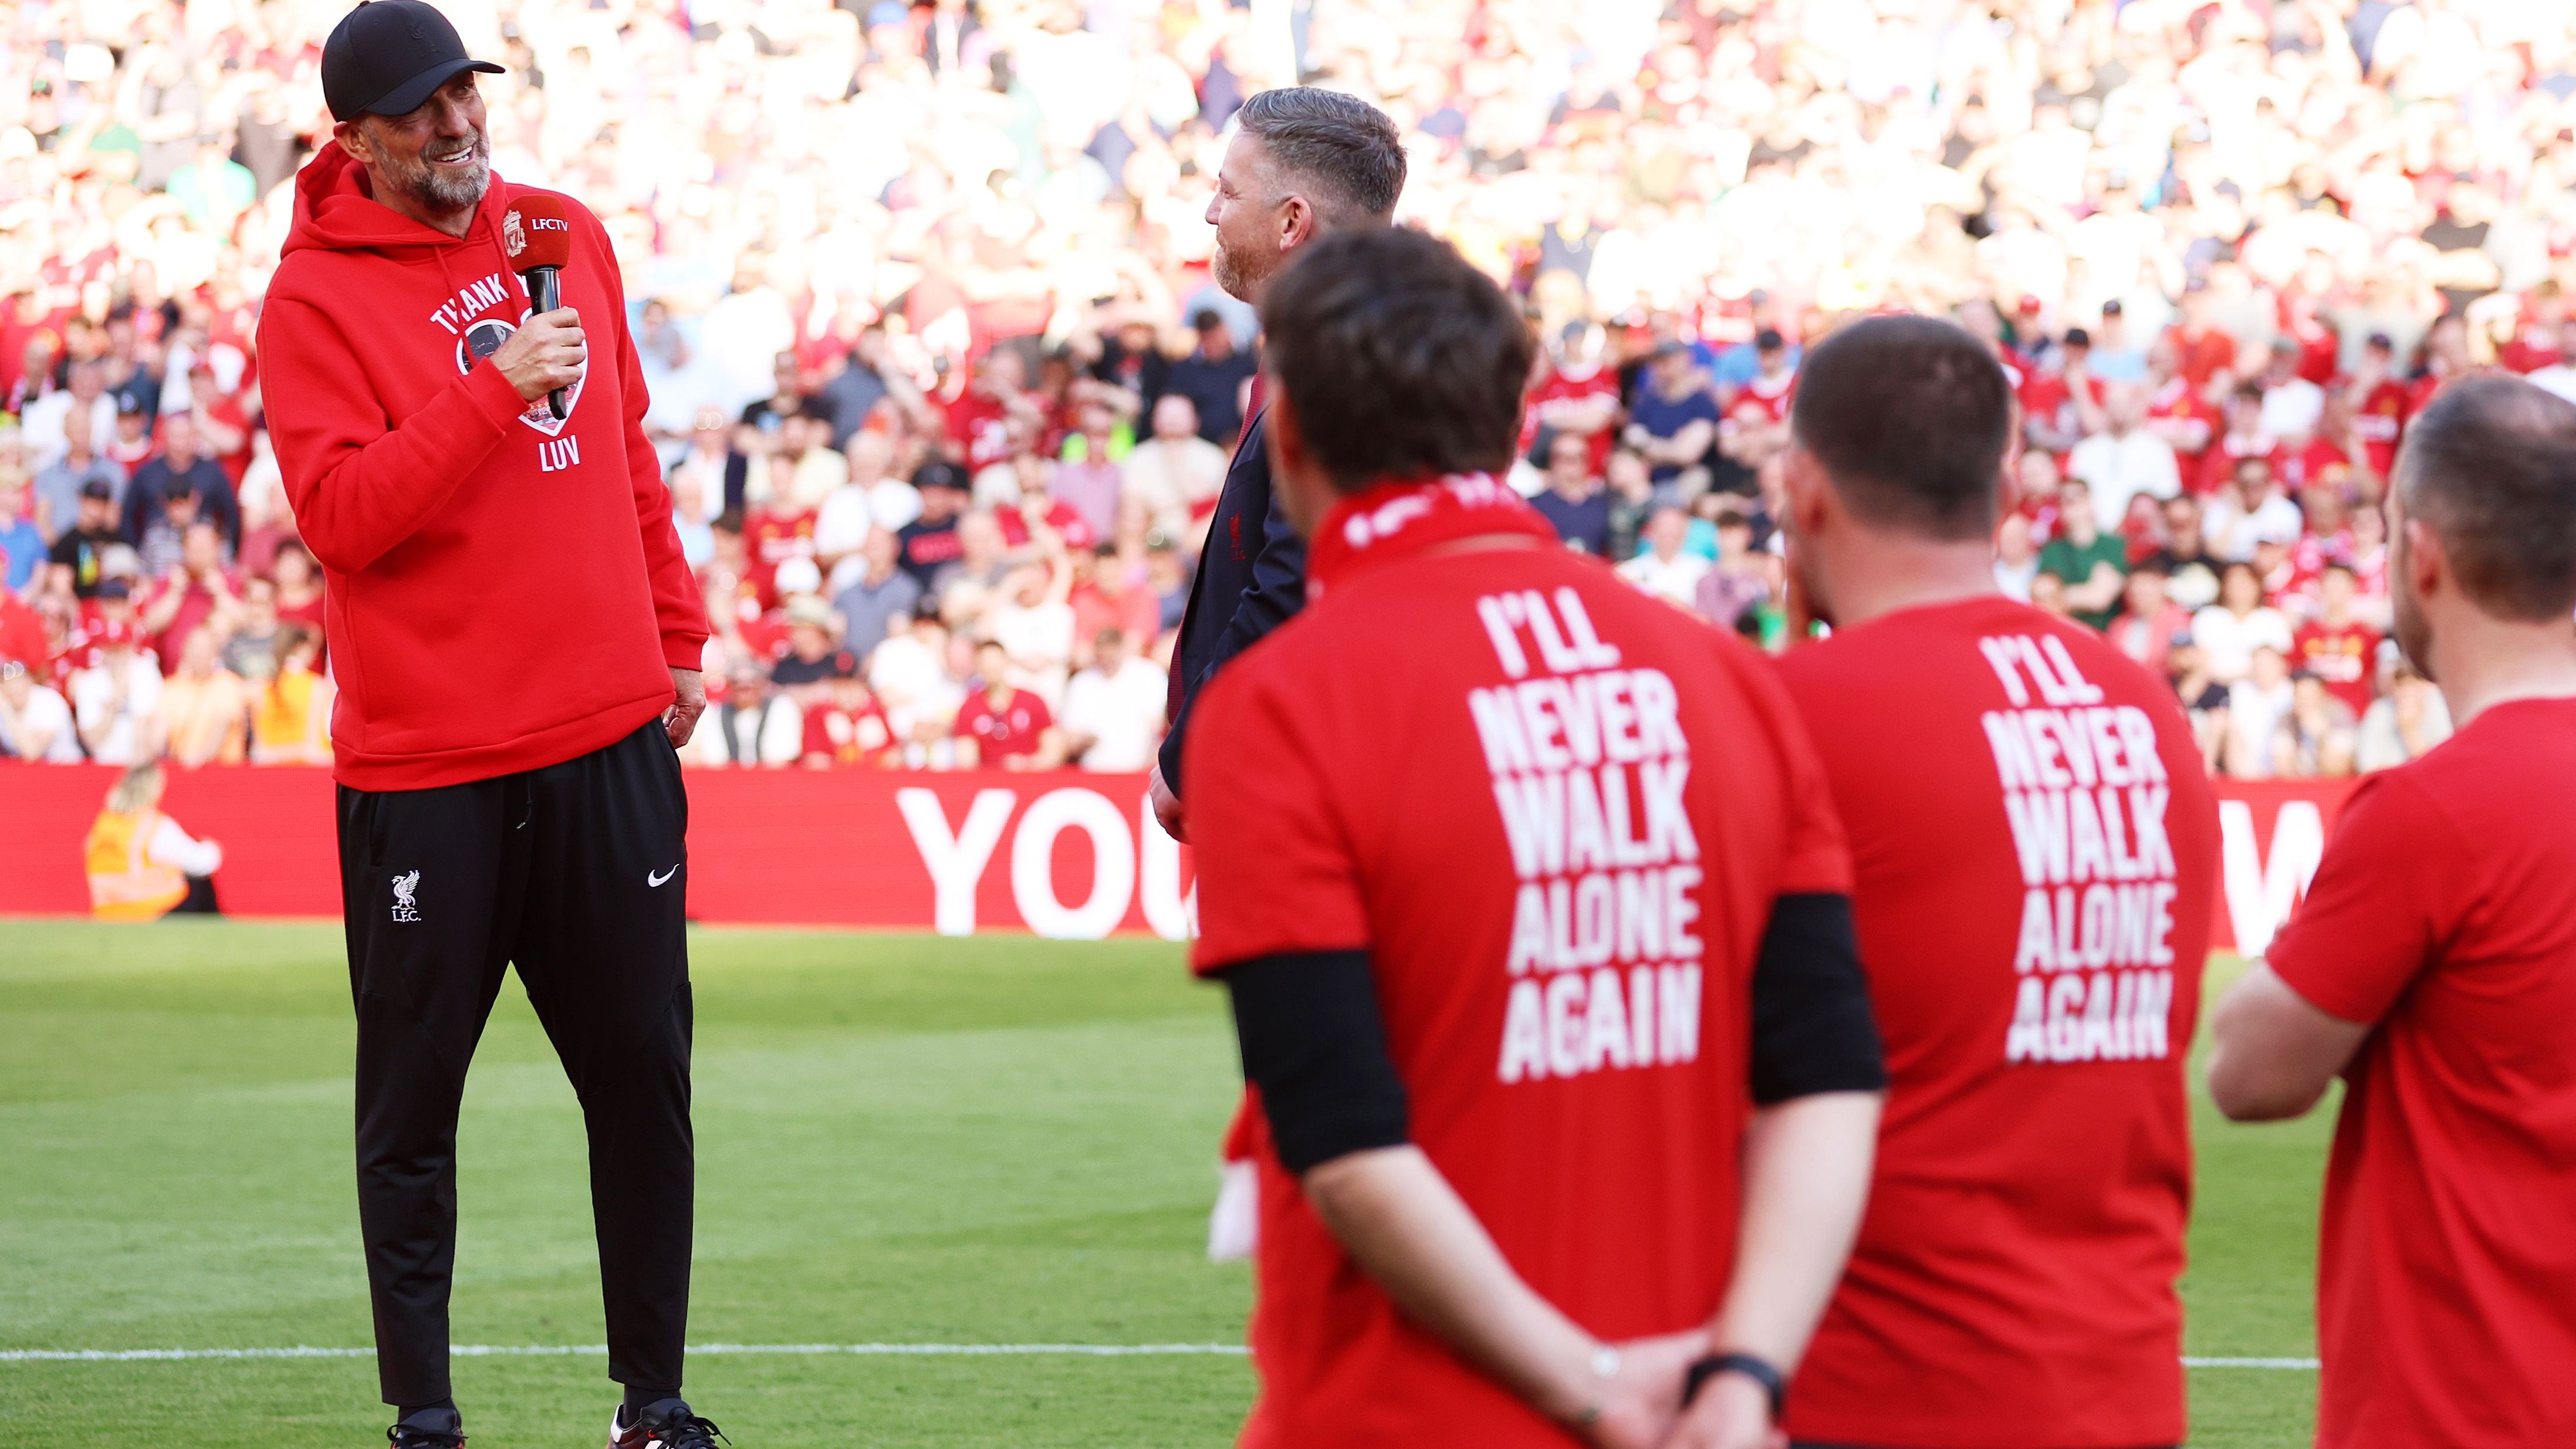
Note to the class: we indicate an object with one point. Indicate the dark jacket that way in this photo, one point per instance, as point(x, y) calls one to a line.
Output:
point(1252, 577)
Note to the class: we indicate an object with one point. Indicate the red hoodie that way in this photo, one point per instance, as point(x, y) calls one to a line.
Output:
point(505, 591)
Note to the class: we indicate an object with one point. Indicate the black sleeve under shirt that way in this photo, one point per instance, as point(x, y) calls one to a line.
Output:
point(1312, 1040)
point(1812, 1026)
point(1313, 1043)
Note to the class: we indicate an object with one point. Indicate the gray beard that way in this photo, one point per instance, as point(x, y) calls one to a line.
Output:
point(441, 188)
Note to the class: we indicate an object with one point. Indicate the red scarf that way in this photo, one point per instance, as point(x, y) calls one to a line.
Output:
point(1403, 519)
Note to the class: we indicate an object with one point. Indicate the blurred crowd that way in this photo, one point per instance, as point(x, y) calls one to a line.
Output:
point(945, 389)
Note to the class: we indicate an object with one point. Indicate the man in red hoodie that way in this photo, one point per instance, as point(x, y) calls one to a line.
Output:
point(539, 823)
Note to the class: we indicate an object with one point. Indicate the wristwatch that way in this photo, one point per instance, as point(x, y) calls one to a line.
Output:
point(1774, 1384)
point(1605, 1367)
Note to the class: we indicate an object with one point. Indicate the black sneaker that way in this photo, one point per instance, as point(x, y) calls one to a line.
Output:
point(403, 1436)
point(667, 1424)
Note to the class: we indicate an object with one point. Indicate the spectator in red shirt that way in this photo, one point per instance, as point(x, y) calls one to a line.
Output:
point(779, 528)
point(979, 419)
point(2243, 437)
point(22, 634)
point(1109, 592)
point(2063, 408)
point(2433, 967)
point(848, 730)
point(2201, 350)
point(2038, 481)
point(2441, 359)
point(1578, 397)
point(2380, 401)
point(1367, 805)
point(131, 444)
point(299, 586)
point(1002, 726)
point(198, 591)
point(2176, 412)
point(2340, 650)
point(2539, 332)
point(2303, 460)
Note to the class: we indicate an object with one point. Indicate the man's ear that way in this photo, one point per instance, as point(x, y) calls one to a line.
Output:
point(1298, 223)
point(2427, 565)
point(353, 139)
point(1802, 485)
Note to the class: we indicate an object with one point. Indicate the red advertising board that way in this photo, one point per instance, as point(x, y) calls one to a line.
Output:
point(1060, 854)
point(1064, 854)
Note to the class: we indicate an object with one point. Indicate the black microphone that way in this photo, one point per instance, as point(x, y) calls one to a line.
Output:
point(539, 238)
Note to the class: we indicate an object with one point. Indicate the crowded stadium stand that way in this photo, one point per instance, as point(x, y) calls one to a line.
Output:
point(945, 391)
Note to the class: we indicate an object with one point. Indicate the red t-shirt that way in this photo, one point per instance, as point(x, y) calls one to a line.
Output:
point(196, 606)
point(2035, 852)
point(2445, 913)
point(2343, 656)
point(2046, 395)
point(1061, 516)
point(2173, 406)
point(1011, 729)
point(1556, 813)
point(2319, 345)
point(2533, 346)
point(2380, 421)
point(2421, 391)
point(849, 739)
point(2315, 463)
point(2218, 463)
point(772, 536)
point(979, 426)
point(1137, 612)
point(22, 634)
point(1771, 394)
point(1560, 388)
point(2202, 353)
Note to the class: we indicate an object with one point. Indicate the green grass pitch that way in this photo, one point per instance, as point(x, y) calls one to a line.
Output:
point(902, 1140)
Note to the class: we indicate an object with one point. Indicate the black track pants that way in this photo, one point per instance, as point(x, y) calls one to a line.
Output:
point(574, 874)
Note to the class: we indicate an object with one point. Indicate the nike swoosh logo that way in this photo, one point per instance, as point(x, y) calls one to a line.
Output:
point(651, 879)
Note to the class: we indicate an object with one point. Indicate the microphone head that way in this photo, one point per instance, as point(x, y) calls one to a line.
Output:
point(536, 232)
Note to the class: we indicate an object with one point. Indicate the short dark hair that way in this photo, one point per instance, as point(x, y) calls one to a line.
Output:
point(1400, 359)
point(2490, 467)
point(1343, 147)
point(1910, 416)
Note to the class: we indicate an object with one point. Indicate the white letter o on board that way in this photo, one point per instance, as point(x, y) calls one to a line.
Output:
point(1113, 865)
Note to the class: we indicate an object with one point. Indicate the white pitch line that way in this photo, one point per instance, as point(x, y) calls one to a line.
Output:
point(490, 1350)
point(905, 1350)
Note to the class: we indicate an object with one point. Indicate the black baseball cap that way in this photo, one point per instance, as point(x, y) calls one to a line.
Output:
point(387, 56)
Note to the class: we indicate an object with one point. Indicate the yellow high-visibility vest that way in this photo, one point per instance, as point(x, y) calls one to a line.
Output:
point(125, 885)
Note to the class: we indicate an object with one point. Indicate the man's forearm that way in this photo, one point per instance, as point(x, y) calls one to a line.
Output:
point(359, 494)
point(2273, 1052)
point(1806, 1181)
point(1408, 1230)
